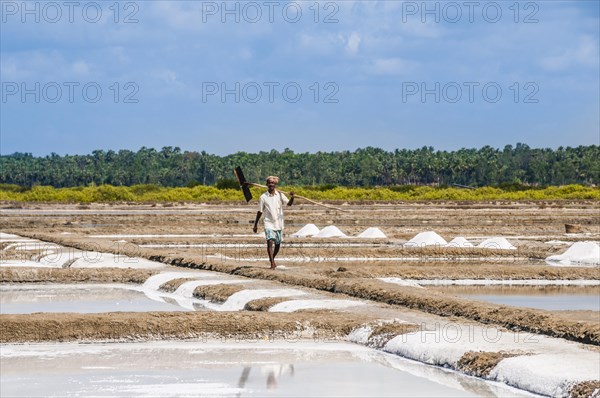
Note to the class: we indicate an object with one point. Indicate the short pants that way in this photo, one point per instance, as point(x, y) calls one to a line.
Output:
point(275, 235)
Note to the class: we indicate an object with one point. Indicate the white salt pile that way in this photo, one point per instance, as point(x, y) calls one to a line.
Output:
point(155, 281)
point(497, 243)
point(59, 260)
point(109, 260)
point(330, 232)
point(558, 242)
point(580, 253)
point(428, 238)
point(296, 305)
point(307, 230)
point(401, 282)
point(372, 233)
point(459, 241)
point(4, 237)
point(238, 300)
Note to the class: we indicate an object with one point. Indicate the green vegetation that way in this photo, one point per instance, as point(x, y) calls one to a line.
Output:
point(200, 193)
point(509, 168)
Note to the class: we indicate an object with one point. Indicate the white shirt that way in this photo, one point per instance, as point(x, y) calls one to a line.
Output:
point(272, 208)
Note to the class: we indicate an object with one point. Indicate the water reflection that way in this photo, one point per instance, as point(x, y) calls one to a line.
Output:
point(232, 369)
point(89, 298)
point(272, 372)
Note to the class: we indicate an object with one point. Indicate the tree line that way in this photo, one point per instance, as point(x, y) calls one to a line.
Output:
point(172, 167)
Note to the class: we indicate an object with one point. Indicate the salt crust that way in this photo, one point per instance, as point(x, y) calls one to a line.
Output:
point(580, 253)
point(542, 365)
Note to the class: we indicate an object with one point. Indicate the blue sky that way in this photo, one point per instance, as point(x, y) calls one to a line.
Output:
point(388, 74)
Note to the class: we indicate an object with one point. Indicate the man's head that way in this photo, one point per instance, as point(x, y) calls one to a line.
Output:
point(272, 182)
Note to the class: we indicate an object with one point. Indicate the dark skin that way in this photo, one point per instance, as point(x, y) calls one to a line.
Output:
point(272, 247)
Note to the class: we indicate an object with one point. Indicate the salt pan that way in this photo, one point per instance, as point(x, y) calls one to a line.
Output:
point(428, 238)
point(372, 233)
point(580, 253)
point(459, 241)
point(109, 260)
point(307, 230)
point(296, 305)
point(401, 282)
point(497, 243)
point(331, 232)
point(238, 301)
point(155, 281)
point(5, 236)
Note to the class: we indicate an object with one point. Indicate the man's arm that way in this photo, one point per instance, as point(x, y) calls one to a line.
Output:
point(291, 201)
point(255, 228)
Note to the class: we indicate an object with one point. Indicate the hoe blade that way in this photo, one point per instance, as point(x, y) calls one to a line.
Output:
point(242, 180)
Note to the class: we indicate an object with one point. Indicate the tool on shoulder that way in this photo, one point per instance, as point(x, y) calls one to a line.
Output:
point(245, 185)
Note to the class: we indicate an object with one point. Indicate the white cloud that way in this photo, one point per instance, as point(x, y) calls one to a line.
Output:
point(81, 68)
point(428, 30)
point(167, 76)
point(9, 70)
point(319, 43)
point(353, 43)
point(585, 54)
point(35, 65)
point(119, 55)
point(245, 54)
point(327, 44)
point(392, 66)
point(180, 15)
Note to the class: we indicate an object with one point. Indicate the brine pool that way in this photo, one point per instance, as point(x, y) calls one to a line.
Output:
point(97, 298)
point(89, 298)
point(227, 369)
point(550, 298)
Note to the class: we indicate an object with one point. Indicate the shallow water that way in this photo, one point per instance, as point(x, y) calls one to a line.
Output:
point(540, 297)
point(226, 369)
point(571, 302)
point(86, 298)
point(98, 298)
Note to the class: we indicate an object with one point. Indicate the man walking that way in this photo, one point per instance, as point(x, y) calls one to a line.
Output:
point(271, 205)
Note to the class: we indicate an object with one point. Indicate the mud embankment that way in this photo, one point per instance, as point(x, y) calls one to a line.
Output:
point(517, 319)
point(74, 275)
point(178, 325)
point(421, 270)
